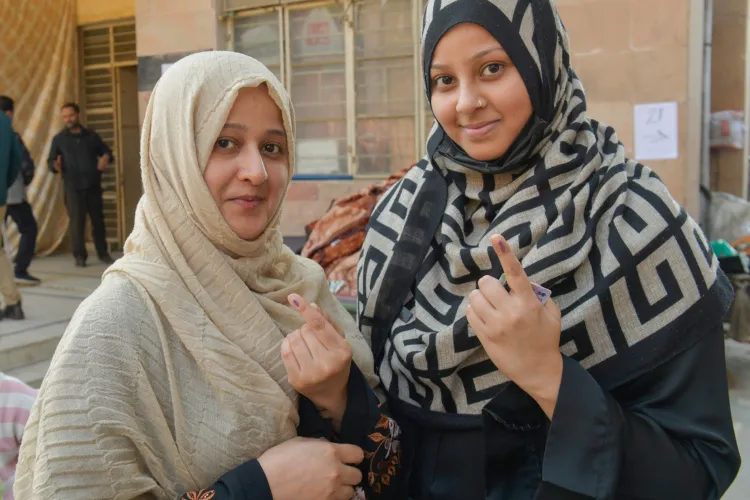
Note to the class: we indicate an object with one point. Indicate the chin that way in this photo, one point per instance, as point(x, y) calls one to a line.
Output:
point(489, 152)
point(248, 232)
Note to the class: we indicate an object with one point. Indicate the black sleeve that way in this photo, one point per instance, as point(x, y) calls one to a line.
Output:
point(27, 163)
point(368, 425)
point(102, 149)
point(246, 482)
point(667, 434)
point(54, 150)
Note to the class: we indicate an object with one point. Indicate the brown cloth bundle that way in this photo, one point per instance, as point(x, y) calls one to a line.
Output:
point(334, 240)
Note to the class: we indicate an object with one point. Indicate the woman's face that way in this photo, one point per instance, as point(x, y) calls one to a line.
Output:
point(248, 169)
point(478, 95)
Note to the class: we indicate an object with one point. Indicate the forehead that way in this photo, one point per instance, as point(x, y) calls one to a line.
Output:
point(254, 104)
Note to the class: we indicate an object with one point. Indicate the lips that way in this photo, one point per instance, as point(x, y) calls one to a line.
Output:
point(248, 201)
point(480, 129)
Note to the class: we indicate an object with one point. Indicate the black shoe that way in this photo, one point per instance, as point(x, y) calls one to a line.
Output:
point(106, 259)
point(14, 312)
point(27, 279)
point(80, 262)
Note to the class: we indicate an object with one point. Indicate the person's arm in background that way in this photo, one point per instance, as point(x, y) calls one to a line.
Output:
point(16, 400)
point(15, 159)
point(103, 152)
point(27, 163)
point(54, 159)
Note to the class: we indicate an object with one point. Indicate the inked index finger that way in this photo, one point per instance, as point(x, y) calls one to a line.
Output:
point(314, 318)
point(515, 275)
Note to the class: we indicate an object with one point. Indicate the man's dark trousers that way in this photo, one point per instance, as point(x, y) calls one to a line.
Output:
point(23, 216)
point(79, 203)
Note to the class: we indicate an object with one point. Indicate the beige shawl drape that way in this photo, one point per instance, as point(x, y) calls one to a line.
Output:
point(218, 306)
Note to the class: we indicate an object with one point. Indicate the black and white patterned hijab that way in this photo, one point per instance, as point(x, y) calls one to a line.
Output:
point(633, 274)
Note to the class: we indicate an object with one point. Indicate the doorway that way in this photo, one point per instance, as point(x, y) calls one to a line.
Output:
point(109, 106)
point(129, 151)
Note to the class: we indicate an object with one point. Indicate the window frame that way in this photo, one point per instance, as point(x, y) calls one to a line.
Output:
point(349, 8)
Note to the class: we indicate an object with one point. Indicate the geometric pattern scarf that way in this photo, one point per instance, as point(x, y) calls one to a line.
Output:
point(632, 273)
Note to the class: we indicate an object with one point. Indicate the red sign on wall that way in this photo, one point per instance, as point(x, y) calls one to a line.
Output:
point(318, 33)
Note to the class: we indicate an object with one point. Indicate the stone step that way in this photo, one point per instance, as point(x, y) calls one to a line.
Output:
point(31, 374)
point(31, 346)
point(35, 339)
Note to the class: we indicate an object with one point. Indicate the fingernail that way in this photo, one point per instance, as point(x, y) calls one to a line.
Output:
point(501, 245)
point(295, 300)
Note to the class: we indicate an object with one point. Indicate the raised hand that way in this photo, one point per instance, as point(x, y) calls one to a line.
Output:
point(318, 360)
point(520, 334)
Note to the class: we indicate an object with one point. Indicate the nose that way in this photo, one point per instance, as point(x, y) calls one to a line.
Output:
point(251, 167)
point(468, 99)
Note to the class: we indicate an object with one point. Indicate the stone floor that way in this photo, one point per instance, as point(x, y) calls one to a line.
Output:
point(27, 346)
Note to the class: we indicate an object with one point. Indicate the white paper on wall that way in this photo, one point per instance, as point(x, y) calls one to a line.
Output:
point(656, 131)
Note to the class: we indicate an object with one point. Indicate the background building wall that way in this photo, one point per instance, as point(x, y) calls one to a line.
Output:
point(630, 52)
point(626, 52)
point(166, 31)
point(729, 87)
point(95, 11)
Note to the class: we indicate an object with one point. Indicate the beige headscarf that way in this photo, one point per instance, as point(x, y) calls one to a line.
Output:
point(223, 299)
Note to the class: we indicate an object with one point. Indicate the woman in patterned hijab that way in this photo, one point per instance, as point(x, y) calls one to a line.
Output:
point(615, 387)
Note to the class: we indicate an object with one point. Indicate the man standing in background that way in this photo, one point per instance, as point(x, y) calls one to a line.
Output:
point(10, 165)
point(19, 209)
point(81, 156)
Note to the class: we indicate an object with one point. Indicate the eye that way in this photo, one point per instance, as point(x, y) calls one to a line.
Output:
point(442, 81)
point(492, 69)
point(223, 143)
point(272, 148)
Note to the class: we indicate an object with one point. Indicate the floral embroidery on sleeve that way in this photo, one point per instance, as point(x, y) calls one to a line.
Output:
point(199, 495)
point(385, 459)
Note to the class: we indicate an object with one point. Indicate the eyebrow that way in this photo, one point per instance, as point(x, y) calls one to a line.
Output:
point(478, 55)
point(239, 126)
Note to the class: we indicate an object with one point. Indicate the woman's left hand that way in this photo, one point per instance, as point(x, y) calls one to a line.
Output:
point(318, 359)
point(520, 335)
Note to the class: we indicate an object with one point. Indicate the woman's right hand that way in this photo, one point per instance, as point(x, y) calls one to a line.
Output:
point(313, 469)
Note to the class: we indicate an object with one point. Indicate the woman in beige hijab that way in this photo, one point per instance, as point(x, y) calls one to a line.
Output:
point(170, 377)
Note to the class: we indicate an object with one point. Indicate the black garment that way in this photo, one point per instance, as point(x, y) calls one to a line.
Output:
point(666, 435)
point(23, 216)
point(27, 163)
point(365, 424)
point(80, 156)
point(80, 202)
